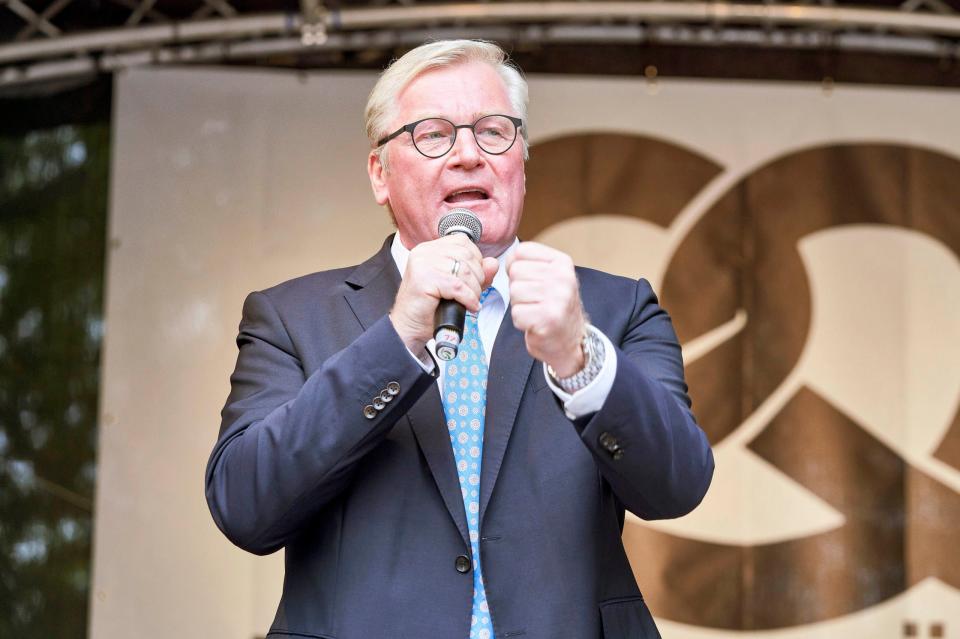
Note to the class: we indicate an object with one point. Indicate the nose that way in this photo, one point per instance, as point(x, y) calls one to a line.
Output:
point(466, 153)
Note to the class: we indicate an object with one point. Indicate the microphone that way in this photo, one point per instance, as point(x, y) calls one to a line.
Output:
point(450, 315)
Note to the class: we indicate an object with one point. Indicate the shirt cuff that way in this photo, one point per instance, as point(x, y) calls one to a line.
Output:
point(591, 397)
point(426, 361)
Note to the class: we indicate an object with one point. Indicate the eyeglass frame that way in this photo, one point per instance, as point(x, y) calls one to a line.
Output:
point(408, 128)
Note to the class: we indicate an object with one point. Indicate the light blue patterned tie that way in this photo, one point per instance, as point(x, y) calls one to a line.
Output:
point(465, 401)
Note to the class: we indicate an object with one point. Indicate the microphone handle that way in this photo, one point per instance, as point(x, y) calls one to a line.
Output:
point(448, 323)
point(449, 318)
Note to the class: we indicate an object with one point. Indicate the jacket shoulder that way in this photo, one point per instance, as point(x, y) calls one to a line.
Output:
point(595, 277)
point(594, 283)
point(332, 283)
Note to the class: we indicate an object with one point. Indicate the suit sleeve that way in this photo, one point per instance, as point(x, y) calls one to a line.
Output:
point(645, 439)
point(290, 443)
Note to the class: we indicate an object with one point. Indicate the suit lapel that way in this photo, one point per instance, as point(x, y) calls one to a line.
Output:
point(506, 379)
point(426, 419)
point(375, 284)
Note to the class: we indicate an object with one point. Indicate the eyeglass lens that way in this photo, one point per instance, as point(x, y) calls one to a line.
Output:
point(435, 137)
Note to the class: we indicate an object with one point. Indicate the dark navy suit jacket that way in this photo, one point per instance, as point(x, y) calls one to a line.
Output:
point(370, 511)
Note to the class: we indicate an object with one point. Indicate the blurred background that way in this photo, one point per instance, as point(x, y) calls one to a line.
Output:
point(787, 175)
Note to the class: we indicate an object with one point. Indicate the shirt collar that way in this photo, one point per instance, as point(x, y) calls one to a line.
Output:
point(501, 281)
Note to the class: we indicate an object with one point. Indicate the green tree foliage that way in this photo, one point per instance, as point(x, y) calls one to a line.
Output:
point(53, 203)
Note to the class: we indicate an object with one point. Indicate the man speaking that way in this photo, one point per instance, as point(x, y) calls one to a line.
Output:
point(478, 497)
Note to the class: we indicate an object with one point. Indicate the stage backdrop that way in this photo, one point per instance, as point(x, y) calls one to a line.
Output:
point(805, 241)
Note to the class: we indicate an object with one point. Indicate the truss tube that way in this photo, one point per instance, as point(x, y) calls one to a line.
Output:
point(151, 35)
point(715, 13)
point(13, 76)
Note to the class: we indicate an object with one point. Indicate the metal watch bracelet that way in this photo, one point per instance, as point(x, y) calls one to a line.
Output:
point(593, 354)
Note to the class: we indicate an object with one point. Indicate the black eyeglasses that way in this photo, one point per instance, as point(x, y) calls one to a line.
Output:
point(434, 137)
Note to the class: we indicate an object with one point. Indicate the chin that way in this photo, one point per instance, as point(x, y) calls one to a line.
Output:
point(493, 248)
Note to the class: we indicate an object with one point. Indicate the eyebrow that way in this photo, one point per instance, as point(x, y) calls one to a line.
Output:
point(476, 116)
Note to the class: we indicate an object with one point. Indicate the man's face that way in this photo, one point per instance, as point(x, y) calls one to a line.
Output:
point(420, 190)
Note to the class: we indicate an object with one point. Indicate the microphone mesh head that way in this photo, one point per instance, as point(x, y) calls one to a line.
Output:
point(461, 221)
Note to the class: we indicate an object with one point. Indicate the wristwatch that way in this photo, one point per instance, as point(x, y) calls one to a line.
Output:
point(594, 354)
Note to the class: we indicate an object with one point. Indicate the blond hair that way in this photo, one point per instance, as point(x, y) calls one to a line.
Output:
point(382, 103)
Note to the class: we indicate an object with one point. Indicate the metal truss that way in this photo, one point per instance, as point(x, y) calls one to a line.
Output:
point(216, 31)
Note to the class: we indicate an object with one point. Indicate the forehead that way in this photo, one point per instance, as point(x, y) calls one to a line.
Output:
point(464, 90)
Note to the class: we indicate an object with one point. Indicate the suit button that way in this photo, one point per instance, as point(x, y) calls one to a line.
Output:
point(463, 564)
point(393, 388)
point(378, 403)
point(369, 411)
point(385, 396)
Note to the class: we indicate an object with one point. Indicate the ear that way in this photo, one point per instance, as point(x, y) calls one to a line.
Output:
point(381, 192)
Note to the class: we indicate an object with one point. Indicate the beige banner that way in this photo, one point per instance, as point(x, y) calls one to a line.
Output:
point(805, 243)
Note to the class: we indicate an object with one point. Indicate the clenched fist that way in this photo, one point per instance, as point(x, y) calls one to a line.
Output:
point(545, 303)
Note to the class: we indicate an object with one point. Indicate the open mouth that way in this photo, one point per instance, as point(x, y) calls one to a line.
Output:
point(466, 195)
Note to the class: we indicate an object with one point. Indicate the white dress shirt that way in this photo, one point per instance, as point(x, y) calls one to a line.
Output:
point(584, 402)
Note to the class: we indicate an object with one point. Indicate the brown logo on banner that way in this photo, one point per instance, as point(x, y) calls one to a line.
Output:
point(901, 524)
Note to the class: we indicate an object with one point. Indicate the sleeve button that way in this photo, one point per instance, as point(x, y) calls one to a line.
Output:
point(369, 411)
point(386, 396)
point(393, 388)
point(378, 403)
point(611, 444)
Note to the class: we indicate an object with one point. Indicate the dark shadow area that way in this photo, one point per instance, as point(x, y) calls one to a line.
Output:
point(54, 163)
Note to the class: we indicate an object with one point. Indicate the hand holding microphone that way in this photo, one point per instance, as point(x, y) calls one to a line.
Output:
point(450, 315)
point(448, 268)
